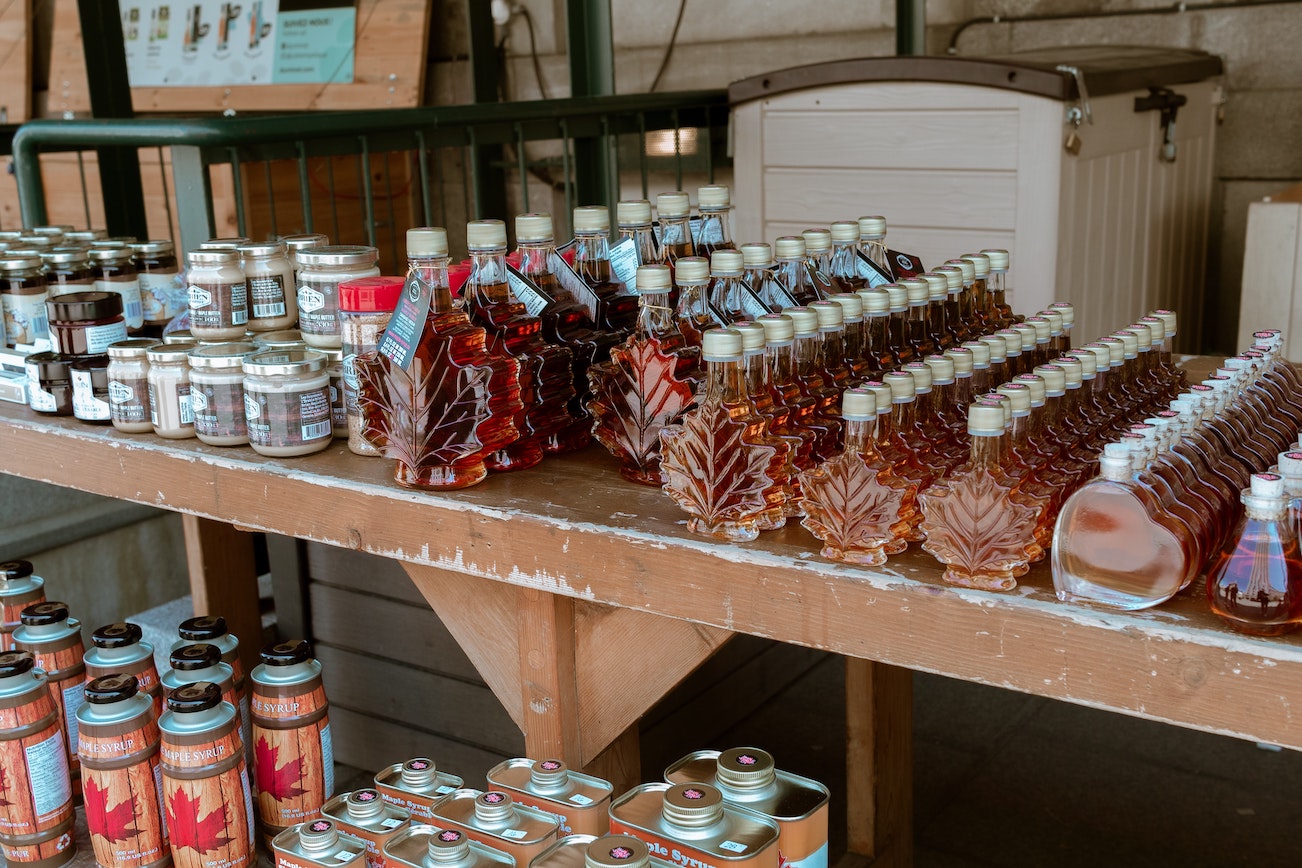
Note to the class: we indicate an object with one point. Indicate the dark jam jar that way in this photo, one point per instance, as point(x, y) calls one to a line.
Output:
point(85, 323)
point(49, 384)
point(67, 269)
point(22, 296)
point(90, 389)
point(157, 270)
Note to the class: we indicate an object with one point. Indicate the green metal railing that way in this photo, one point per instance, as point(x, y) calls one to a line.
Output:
point(482, 139)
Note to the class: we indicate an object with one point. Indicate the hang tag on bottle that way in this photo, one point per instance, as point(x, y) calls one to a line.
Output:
point(694, 225)
point(781, 294)
point(904, 265)
point(526, 291)
point(822, 283)
point(572, 285)
point(707, 232)
point(402, 336)
point(870, 271)
point(624, 263)
point(750, 302)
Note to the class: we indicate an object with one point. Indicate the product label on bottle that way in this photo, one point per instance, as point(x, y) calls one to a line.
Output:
point(74, 694)
point(218, 305)
point(127, 398)
point(904, 265)
point(268, 294)
point(527, 292)
point(338, 413)
point(822, 283)
point(47, 774)
point(573, 285)
point(25, 319)
point(86, 405)
point(280, 419)
point(133, 310)
point(328, 760)
point(160, 293)
point(37, 398)
point(318, 308)
point(750, 302)
point(624, 263)
point(869, 270)
point(402, 335)
point(218, 409)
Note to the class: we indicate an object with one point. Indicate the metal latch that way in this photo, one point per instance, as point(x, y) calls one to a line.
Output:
point(1078, 112)
point(1168, 102)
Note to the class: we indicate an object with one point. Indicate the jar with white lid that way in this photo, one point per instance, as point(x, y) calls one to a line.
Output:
point(217, 392)
point(114, 272)
point(287, 402)
point(218, 294)
point(158, 272)
point(169, 390)
point(272, 287)
point(321, 270)
point(128, 374)
point(338, 406)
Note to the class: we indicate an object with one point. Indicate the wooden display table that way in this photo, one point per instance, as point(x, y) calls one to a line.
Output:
point(582, 599)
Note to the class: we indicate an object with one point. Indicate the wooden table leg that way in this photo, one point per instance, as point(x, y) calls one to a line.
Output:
point(224, 580)
point(879, 761)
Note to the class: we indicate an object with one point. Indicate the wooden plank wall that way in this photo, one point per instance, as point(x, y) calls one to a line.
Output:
point(15, 62)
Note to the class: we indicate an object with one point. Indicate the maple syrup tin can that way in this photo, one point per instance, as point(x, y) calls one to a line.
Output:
point(36, 811)
point(747, 776)
point(54, 639)
point(317, 844)
point(365, 815)
point(119, 649)
point(420, 846)
point(690, 825)
point(212, 629)
point(207, 801)
point(416, 785)
point(493, 819)
point(201, 661)
point(580, 802)
point(293, 756)
point(19, 588)
point(598, 851)
point(121, 780)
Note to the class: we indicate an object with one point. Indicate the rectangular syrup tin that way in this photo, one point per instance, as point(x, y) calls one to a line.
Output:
point(580, 802)
point(410, 849)
point(349, 852)
point(375, 831)
point(419, 801)
point(528, 833)
point(741, 837)
point(798, 804)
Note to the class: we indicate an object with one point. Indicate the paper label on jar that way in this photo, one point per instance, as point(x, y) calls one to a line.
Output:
point(402, 335)
point(183, 399)
point(100, 337)
point(37, 398)
point(318, 309)
point(85, 404)
point(25, 319)
point(218, 409)
point(280, 419)
point(126, 402)
point(268, 293)
point(338, 410)
point(156, 294)
point(218, 305)
point(133, 310)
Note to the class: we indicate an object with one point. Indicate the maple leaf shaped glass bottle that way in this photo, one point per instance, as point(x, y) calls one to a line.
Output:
point(831, 327)
point(791, 269)
point(714, 203)
point(843, 264)
point(977, 524)
point(802, 416)
point(818, 256)
point(877, 351)
point(760, 274)
point(754, 343)
point(1255, 584)
point(692, 276)
point(617, 308)
point(854, 338)
point(730, 299)
point(718, 464)
point(813, 381)
point(853, 502)
point(456, 403)
point(675, 210)
point(546, 370)
point(643, 387)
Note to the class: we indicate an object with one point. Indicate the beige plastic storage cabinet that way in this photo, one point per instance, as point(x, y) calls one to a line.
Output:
point(964, 153)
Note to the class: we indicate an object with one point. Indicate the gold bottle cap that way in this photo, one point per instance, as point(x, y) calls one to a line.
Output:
point(899, 296)
point(1030, 335)
point(721, 345)
point(757, 254)
point(922, 377)
point(753, 337)
point(902, 386)
point(851, 306)
point(817, 240)
point(1019, 394)
point(1043, 329)
point(448, 846)
point(533, 227)
point(980, 262)
point(1102, 354)
point(1267, 485)
point(883, 393)
point(726, 263)
point(1003, 401)
point(778, 328)
point(1116, 350)
point(965, 360)
point(1067, 310)
point(1290, 464)
point(953, 277)
point(591, 218)
point(1035, 383)
point(985, 419)
point(1055, 321)
point(845, 231)
point(1129, 340)
point(1071, 369)
point(713, 197)
point(937, 285)
point(980, 352)
point(1055, 379)
point(692, 805)
point(1156, 326)
point(673, 205)
point(829, 314)
point(1089, 363)
point(691, 269)
point(942, 369)
point(858, 404)
point(1143, 336)
point(804, 319)
point(617, 851)
point(633, 212)
point(997, 347)
point(485, 234)
point(1012, 341)
point(872, 227)
point(654, 278)
point(919, 290)
point(1168, 318)
point(789, 247)
point(427, 241)
point(998, 258)
point(875, 301)
point(967, 268)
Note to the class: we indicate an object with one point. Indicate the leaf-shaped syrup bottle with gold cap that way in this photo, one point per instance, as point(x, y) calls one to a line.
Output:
point(645, 385)
point(692, 282)
point(617, 308)
point(455, 403)
point(854, 502)
point(776, 416)
point(718, 463)
point(976, 523)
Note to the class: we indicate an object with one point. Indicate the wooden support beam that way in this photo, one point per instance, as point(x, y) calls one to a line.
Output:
point(879, 762)
point(224, 580)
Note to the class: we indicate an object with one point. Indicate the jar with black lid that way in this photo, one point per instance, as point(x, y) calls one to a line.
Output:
point(22, 295)
point(160, 292)
point(115, 273)
point(49, 383)
point(85, 323)
point(67, 269)
point(90, 389)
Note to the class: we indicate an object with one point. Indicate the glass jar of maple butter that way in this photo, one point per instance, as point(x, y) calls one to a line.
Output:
point(287, 402)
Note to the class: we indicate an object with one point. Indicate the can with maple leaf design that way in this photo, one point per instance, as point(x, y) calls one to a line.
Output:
point(120, 774)
point(36, 812)
point(581, 803)
point(690, 825)
point(201, 661)
point(293, 755)
point(747, 776)
point(494, 819)
point(417, 785)
point(207, 801)
point(363, 814)
point(317, 844)
point(19, 588)
point(120, 649)
point(593, 851)
point(422, 846)
point(54, 639)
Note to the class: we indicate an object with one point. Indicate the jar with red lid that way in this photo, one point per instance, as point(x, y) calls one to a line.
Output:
point(365, 305)
point(85, 323)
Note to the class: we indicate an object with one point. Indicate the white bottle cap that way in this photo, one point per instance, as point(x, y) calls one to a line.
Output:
point(980, 262)
point(902, 386)
point(485, 234)
point(721, 345)
point(1012, 340)
point(966, 267)
point(1043, 328)
point(1005, 403)
point(804, 320)
point(1290, 464)
point(1055, 379)
point(1071, 369)
point(998, 258)
point(1102, 354)
point(1168, 318)
point(1029, 335)
point(985, 419)
point(898, 293)
point(427, 241)
point(726, 263)
point(1055, 321)
point(858, 405)
point(1129, 340)
point(1143, 337)
point(1116, 350)
point(675, 204)
point(919, 290)
point(942, 369)
point(533, 227)
point(591, 218)
point(845, 231)
point(1115, 462)
point(752, 336)
point(875, 301)
point(996, 347)
point(872, 227)
point(978, 352)
point(1089, 363)
point(922, 377)
point(953, 277)
point(1067, 310)
point(851, 306)
point(1035, 383)
point(691, 269)
point(654, 278)
point(633, 212)
point(757, 254)
point(1267, 485)
point(778, 328)
point(1156, 326)
point(817, 240)
point(937, 286)
point(885, 396)
point(789, 247)
point(713, 196)
point(1020, 396)
point(829, 314)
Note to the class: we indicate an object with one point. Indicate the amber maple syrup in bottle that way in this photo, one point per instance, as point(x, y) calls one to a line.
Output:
point(958, 302)
point(1067, 311)
point(843, 265)
point(791, 270)
point(977, 312)
point(633, 218)
point(920, 342)
point(675, 211)
point(546, 370)
point(877, 343)
point(617, 308)
point(905, 423)
point(1142, 443)
point(831, 327)
point(1255, 584)
point(996, 287)
point(692, 276)
point(933, 379)
point(898, 327)
point(730, 298)
point(818, 256)
point(855, 336)
point(760, 274)
point(937, 292)
point(808, 354)
point(1012, 352)
point(1057, 339)
point(964, 390)
point(714, 203)
point(802, 413)
point(1026, 466)
point(995, 371)
point(901, 457)
point(776, 417)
